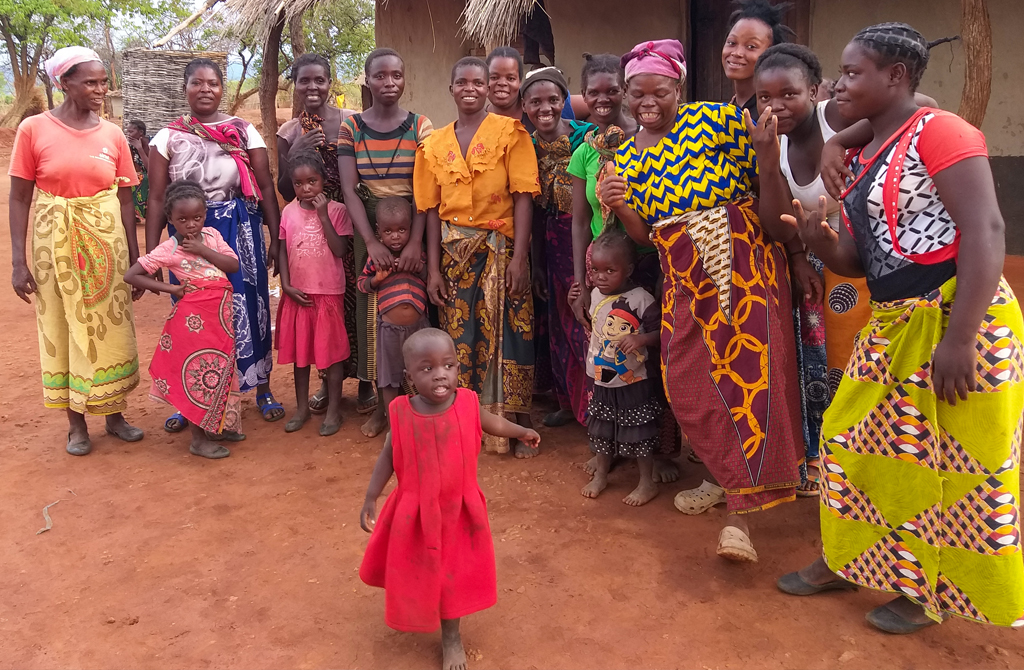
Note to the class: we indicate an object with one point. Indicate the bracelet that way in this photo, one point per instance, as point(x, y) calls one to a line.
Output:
point(793, 252)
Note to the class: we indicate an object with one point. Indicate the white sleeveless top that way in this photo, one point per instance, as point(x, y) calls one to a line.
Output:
point(808, 195)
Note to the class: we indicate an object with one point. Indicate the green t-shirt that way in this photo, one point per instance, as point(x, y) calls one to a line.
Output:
point(585, 164)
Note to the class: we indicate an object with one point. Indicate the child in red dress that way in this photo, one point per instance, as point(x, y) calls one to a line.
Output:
point(431, 550)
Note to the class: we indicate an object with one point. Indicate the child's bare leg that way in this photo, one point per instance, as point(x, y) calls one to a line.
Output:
point(378, 421)
point(603, 463)
point(453, 655)
point(202, 445)
point(332, 419)
point(646, 489)
point(301, 415)
point(519, 449)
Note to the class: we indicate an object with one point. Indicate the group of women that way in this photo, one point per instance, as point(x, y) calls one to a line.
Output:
point(900, 317)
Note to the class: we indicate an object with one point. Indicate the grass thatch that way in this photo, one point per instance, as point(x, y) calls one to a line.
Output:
point(258, 17)
point(493, 22)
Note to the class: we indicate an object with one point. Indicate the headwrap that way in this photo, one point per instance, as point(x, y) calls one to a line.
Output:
point(664, 57)
point(232, 140)
point(65, 59)
point(552, 74)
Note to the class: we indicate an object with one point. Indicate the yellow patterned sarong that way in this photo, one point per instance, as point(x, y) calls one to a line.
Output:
point(87, 348)
point(921, 498)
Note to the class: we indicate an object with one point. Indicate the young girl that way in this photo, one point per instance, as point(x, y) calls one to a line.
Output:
point(432, 550)
point(193, 367)
point(401, 302)
point(625, 409)
point(315, 233)
point(921, 448)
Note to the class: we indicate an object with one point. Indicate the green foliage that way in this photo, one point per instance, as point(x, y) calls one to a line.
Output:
point(30, 26)
point(342, 32)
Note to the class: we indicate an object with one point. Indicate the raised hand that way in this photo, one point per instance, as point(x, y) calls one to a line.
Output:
point(764, 136)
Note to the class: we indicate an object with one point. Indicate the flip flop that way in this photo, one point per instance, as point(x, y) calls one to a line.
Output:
point(367, 406)
point(318, 403)
point(812, 491)
point(795, 585)
point(734, 545)
point(79, 448)
point(267, 404)
point(222, 452)
point(128, 434)
point(699, 500)
point(693, 457)
point(182, 423)
point(884, 619)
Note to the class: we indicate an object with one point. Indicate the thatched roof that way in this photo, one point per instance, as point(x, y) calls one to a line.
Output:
point(259, 16)
point(496, 21)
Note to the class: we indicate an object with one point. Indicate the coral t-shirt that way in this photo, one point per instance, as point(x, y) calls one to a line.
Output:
point(71, 163)
point(312, 266)
point(185, 266)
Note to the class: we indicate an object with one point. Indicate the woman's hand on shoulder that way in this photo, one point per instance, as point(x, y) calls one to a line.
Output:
point(380, 254)
point(411, 258)
point(368, 515)
point(23, 282)
point(834, 171)
point(764, 136)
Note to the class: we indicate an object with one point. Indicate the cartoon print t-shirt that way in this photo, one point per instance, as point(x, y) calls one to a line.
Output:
point(614, 317)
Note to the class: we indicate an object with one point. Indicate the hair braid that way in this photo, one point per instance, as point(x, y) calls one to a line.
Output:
point(899, 43)
point(789, 55)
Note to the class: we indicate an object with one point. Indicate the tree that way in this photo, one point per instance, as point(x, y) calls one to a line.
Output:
point(28, 27)
point(976, 33)
point(342, 32)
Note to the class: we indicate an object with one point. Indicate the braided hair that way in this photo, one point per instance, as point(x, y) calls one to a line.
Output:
point(309, 59)
point(182, 189)
point(766, 13)
point(601, 63)
point(788, 55)
point(899, 43)
point(616, 241)
point(308, 158)
point(380, 53)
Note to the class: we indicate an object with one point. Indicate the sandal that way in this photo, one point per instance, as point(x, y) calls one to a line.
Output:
point(699, 500)
point(733, 544)
point(180, 423)
point(318, 403)
point(693, 457)
point(809, 489)
point(884, 619)
point(267, 405)
point(795, 585)
point(367, 406)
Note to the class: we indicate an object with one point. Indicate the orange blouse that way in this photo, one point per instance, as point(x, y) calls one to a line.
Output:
point(476, 191)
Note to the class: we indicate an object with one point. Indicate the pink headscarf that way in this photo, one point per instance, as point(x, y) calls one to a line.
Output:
point(67, 58)
point(664, 57)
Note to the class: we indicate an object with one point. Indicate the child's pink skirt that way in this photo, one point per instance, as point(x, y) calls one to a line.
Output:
point(312, 335)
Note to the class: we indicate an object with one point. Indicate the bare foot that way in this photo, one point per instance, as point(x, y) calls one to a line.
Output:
point(596, 485)
point(590, 467)
point(665, 470)
point(375, 425)
point(522, 450)
point(642, 494)
point(453, 655)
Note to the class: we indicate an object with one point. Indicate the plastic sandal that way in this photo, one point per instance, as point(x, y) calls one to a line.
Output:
point(267, 404)
point(318, 403)
point(182, 423)
point(699, 500)
point(733, 544)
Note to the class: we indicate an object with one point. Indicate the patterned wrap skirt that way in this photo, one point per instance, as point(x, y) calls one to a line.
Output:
point(87, 349)
point(728, 351)
point(921, 498)
point(493, 331)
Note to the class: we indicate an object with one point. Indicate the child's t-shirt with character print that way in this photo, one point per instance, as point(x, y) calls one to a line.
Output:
point(614, 317)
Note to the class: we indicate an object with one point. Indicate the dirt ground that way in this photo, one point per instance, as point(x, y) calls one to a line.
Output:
point(158, 559)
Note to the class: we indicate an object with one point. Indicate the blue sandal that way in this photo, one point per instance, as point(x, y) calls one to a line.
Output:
point(267, 405)
point(182, 423)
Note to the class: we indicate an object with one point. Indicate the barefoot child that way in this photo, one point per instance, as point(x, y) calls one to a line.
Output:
point(193, 367)
point(432, 550)
point(401, 305)
point(625, 409)
point(315, 234)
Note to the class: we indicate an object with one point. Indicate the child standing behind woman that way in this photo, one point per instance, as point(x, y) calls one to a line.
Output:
point(625, 409)
point(432, 550)
point(401, 297)
point(315, 233)
point(193, 367)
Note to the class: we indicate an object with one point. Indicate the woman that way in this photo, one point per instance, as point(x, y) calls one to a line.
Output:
point(753, 27)
point(318, 120)
point(505, 77)
point(228, 158)
point(544, 94)
point(83, 241)
point(139, 144)
point(686, 182)
point(922, 441)
point(476, 179)
point(377, 151)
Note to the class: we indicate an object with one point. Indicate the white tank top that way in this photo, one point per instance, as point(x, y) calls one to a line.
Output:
point(808, 195)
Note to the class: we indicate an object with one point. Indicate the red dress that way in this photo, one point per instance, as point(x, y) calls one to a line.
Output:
point(431, 550)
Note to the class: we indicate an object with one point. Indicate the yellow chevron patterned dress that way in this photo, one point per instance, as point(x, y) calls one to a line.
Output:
point(727, 343)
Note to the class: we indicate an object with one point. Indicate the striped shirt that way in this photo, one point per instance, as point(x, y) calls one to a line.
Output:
point(398, 288)
point(384, 160)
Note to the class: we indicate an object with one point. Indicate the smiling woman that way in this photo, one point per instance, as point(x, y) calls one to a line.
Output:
point(83, 241)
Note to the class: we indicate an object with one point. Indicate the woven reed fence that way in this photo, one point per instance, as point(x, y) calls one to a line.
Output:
point(152, 80)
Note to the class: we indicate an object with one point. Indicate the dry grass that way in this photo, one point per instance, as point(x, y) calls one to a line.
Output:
point(495, 21)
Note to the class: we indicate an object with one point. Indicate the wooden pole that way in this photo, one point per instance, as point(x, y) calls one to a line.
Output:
point(976, 34)
point(268, 88)
point(185, 24)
